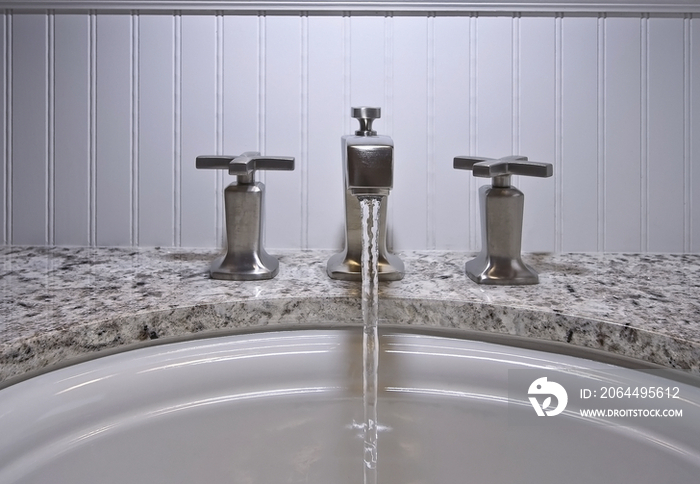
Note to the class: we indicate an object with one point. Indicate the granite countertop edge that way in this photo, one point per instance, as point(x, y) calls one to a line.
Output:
point(61, 304)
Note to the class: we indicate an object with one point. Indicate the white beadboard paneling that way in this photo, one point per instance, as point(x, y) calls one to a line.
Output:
point(134, 87)
point(695, 134)
point(536, 126)
point(113, 137)
point(494, 99)
point(29, 129)
point(198, 193)
point(219, 126)
point(72, 73)
point(50, 129)
point(665, 142)
point(687, 136)
point(5, 186)
point(579, 130)
point(92, 136)
point(241, 89)
point(623, 135)
point(241, 79)
point(112, 142)
point(155, 184)
point(409, 198)
point(494, 77)
point(327, 119)
point(452, 201)
point(367, 67)
point(283, 104)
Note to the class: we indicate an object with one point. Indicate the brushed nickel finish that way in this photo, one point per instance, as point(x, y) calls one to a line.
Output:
point(501, 206)
point(368, 169)
point(245, 258)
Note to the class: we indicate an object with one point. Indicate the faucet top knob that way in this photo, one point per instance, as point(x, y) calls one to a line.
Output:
point(244, 165)
point(501, 169)
point(366, 115)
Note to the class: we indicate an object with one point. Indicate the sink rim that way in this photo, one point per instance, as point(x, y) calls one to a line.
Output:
point(505, 339)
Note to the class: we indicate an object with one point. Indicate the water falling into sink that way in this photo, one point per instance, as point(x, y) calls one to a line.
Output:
point(370, 207)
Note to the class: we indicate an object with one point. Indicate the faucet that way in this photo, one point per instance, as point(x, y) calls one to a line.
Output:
point(368, 170)
point(245, 258)
point(500, 261)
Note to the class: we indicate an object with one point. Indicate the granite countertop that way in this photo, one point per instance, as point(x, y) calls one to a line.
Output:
point(57, 304)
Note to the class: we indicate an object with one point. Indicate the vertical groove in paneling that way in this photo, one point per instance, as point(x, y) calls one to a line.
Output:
point(558, 130)
point(328, 93)
point(199, 129)
point(580, 144)
point(219, 110)
point(7, 188)
point(537, 126)
point(515, 121)
point(283, 128)
point(451, 132)
point(410, 198)
point(134, 138)
point(601, 132)
point(6, 185)
point(692, 128)
point(8, 129)
point(666, 144)
point(304, 134)
point(114, 180)
point(177, 130)
point(262, 86)
point(644, 159)
point(347, 71)
point(687, 159)
point(473, 118)
point(388, 111)
point(156, 130)
point(92, 138)
point(50, 127)
point(430, 137)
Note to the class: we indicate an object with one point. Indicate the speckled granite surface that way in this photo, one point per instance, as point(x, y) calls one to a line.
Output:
point(60, 303)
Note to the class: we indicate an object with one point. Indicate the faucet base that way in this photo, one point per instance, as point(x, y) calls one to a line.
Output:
point(250, 267)
point(502, 271)
point(343, 267)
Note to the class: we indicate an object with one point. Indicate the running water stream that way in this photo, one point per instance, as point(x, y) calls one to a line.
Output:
point(370, 348)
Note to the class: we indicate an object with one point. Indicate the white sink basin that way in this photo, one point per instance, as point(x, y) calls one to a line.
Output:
point(286, 407)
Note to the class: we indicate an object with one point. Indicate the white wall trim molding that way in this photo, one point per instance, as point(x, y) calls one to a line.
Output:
point(366, 7)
